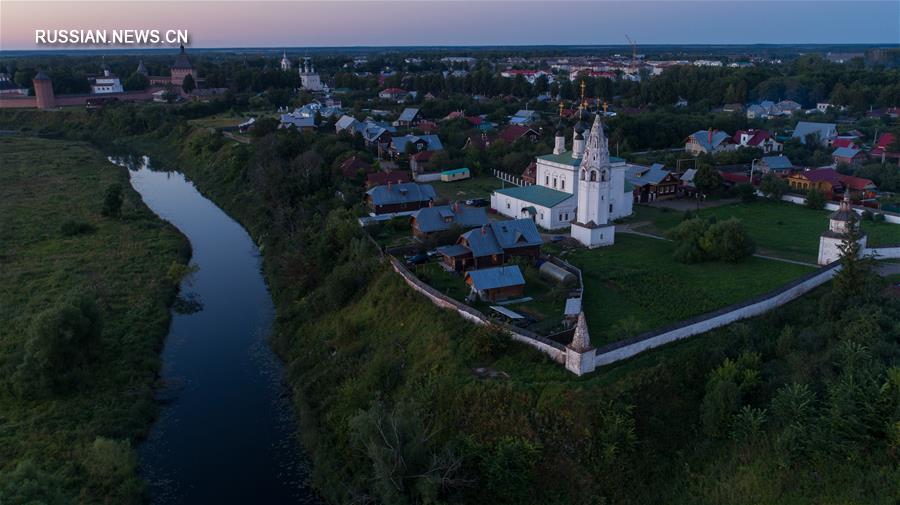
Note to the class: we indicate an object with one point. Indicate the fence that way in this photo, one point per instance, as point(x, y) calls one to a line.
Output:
point(510, 178)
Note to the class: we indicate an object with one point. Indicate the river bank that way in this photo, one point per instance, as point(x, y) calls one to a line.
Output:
point(74, 441)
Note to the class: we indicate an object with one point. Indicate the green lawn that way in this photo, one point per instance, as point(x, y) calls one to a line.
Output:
point(395, 232)
point(476, 187)
point(123, 264)
point(636, 286)
point(778, 228)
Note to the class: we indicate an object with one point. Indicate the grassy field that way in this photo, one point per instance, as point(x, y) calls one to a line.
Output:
point(476, 187)
point(47, 443)
point(636, 286)
point(778, 228)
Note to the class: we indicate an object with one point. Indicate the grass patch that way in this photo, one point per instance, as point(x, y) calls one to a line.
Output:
point(475, 187)
point(54, 243)
point(636, 286)
point(779, 228)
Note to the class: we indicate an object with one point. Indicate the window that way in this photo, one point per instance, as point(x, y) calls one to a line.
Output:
point(507, 205)
point(547, 180)
point(562, 183)
point(610, 208)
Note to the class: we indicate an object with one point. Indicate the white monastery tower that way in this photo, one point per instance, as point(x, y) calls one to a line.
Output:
point(285, 62)
point(591, 226)
point(839, 223)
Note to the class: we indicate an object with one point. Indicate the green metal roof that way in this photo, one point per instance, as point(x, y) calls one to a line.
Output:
point(538, 195)
point(566, 158)
point(463, 170)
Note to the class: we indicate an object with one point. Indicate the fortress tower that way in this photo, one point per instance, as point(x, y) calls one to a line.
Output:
point(43, 91)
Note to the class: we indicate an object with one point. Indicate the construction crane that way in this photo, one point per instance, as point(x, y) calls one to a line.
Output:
point(633, 53)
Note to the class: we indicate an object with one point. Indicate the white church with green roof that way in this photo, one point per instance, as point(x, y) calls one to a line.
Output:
point(553, 201)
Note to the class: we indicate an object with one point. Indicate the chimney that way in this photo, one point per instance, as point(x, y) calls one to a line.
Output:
point(484, 230)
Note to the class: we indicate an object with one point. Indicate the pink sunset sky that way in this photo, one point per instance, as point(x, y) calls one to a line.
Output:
point(371, 23)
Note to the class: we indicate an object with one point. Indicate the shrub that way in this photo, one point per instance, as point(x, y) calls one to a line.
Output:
point(815, 199)
point(72, 228)
point(773, 186)
point(699, 239)
point(112, 201)
point(61, 343)
point(746, 192)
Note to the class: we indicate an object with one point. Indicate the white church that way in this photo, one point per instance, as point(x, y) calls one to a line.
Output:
point(583, 188)
point(309, 79)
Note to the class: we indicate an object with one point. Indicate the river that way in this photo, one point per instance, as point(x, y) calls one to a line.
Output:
point(225, 433)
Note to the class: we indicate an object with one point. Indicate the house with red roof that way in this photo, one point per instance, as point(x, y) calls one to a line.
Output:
point(843, 142)
point(512, 133)
point(353, 166)
point(758, 139)
point(479, 141)
point(832, 183)
point(882, 151)
point(395, 94)
point(384, 178)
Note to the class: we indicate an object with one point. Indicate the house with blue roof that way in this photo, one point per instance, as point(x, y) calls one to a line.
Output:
point(850, 156)
point(497, 283)
point(774, 165)
point(493, 244)
point(708, 142)
point(409, 117)
point(399, 198)
point(822, 132)
point(428, 221)
point(652, 183)
point(419, 143)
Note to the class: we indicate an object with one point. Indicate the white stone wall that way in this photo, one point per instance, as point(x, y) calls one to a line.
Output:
point(883, 252)
point(888, 217)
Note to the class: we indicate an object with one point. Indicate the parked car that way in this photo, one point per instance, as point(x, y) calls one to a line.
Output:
point(417, 259)
point(477, 202)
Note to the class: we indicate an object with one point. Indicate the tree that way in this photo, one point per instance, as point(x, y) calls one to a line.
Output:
point(112, 201)
point(855, 275)
point(727, 241)
point(746, 192)
point(815, 199)
point(707, 179)
point(773, 187)
point(61, 343)
point(136, 82)
point(188, 84)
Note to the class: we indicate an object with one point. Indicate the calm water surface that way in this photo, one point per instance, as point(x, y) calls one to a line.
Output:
point(225, 432)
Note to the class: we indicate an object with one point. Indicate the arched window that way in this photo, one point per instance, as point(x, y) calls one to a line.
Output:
point(604, 176)
point(593, 175)
point(582, 174)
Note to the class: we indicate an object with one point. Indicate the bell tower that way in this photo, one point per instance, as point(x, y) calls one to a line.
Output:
point(591, 226)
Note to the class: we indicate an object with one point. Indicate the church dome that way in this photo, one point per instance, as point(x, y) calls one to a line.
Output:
point(584, 122)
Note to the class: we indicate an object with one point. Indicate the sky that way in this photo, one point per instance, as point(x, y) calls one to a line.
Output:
point(238, 23)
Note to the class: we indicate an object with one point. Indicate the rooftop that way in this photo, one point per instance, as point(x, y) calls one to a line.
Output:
point(538, 195)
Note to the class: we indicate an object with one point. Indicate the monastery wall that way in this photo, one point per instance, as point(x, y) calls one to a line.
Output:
point(889, 217)
point(884, 252)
